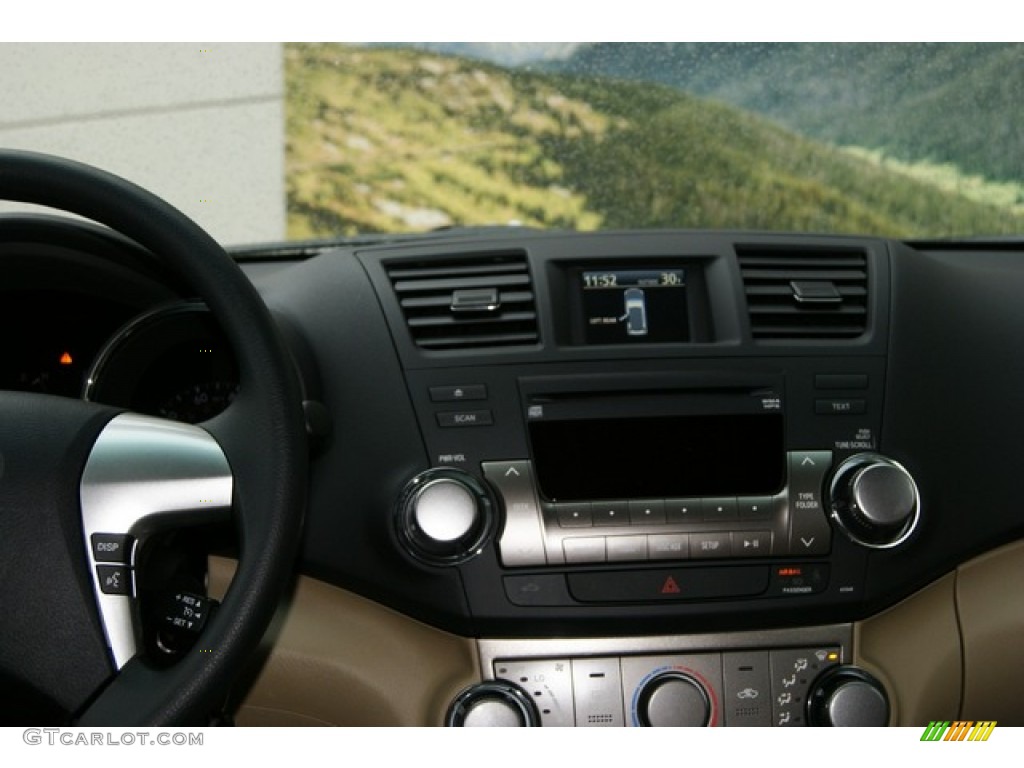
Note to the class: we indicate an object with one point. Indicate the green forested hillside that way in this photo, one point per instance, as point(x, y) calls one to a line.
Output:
point(399, 140)
point(960, 103)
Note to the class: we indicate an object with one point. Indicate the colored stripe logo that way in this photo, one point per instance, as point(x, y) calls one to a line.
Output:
point(960, 730)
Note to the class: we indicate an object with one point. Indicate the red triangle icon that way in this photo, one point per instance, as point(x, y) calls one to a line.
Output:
point(670, 587)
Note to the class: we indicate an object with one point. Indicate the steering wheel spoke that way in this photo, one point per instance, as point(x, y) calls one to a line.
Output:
point(144, 475)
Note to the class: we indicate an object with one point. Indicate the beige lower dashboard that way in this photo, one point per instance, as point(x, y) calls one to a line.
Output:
point(333, 658)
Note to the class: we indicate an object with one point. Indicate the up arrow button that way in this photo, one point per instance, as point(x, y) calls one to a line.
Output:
point(809, 529)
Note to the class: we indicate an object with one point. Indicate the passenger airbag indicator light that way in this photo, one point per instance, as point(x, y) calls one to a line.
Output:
point(791, 571)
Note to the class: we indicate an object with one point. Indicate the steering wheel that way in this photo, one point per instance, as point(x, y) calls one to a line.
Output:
point(71, 469)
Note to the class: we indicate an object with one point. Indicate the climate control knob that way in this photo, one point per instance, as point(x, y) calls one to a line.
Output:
point(874, 501)
point(493, 704)
point(847, 696)
point(673, 699)
point(444, 517)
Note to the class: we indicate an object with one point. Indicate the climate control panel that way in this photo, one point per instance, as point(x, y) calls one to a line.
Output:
point(775, 678)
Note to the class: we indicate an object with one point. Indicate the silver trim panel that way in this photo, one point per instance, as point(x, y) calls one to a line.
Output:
point(146, 474)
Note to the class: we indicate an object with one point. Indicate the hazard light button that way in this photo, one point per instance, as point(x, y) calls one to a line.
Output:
point(669, 584)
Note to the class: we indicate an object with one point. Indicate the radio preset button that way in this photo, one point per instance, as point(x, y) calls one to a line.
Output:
point(649, 512)
point(719, 510)
point(626, 548)
point(683, 511)
point(607, 513)
point(755, 508)
point(706, 545)
point(668, 546)
point(573, 515)
point(588, 550)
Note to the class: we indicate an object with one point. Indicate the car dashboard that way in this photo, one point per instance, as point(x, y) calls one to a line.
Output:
point(604, 479)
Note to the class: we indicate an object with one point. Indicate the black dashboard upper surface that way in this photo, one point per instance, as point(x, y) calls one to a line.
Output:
point(658, 423)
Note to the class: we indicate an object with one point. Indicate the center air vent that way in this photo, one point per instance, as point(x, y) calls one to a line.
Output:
point(805, 294)
point(467, 302)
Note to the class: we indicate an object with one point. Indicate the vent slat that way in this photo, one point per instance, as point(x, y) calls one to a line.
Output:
point(458, 283)
point(426, 302)
point(432, 321)
point(775, 313)
point(426, 288)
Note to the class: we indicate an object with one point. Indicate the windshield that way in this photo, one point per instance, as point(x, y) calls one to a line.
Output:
point(292, 141)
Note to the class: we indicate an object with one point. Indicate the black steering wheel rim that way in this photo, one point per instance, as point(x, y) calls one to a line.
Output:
point(262, 435)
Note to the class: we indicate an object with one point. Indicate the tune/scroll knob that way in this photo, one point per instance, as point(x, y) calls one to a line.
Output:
point(875, 501)
point(493, 704)
point(673, 699)
point(444, 517)
point(847, 696)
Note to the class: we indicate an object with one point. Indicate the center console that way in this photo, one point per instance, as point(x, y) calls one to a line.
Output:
point(667, 453)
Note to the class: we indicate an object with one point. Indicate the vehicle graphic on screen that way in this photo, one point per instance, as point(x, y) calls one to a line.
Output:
point(636, 312)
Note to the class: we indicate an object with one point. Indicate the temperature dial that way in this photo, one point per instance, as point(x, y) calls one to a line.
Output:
point(673, 699)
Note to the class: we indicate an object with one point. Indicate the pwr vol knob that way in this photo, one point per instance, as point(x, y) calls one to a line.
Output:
point(444, 517)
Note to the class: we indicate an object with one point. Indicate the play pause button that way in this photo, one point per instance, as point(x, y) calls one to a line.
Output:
point(751, 544)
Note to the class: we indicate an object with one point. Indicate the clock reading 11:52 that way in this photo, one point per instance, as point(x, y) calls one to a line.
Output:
point(630, 306)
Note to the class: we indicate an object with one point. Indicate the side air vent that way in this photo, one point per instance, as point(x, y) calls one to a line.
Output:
point(467, 302)
point(805, 294)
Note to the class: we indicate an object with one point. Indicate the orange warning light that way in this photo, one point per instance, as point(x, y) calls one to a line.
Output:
point(65, 359)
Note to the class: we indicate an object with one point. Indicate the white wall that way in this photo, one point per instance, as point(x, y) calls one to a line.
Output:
point(200, 124)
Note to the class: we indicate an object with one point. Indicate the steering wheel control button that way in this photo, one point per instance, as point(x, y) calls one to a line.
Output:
point(809, 531)
point(114, 579)
point(456, 394)
point(448, 419)
point(111, 547)
point(444, 517)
